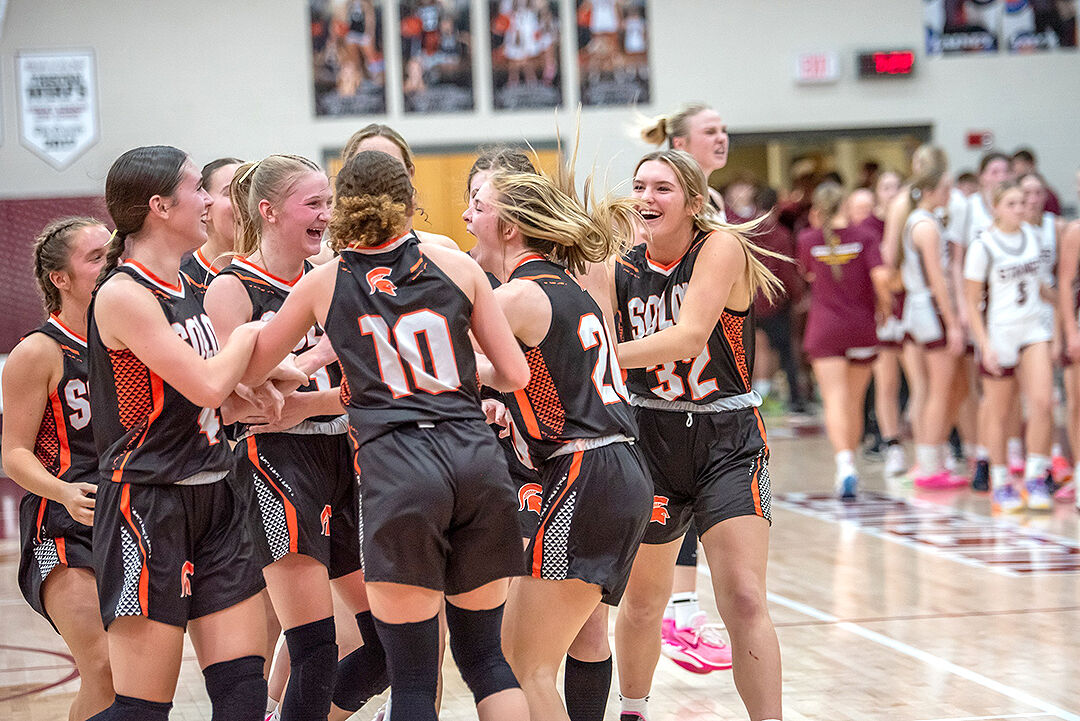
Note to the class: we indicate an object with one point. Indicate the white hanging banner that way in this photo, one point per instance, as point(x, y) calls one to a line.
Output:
point(57, 104)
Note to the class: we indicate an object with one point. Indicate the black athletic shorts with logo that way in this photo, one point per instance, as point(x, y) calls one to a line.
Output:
point(437, 507)
point(304, 497)
point(530, 492)
point(707, 467)
point(50, 538)
point(172, 553)
point(596, 505)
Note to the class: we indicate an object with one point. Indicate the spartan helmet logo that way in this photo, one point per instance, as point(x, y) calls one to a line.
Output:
point(185, 578)
point(659, 510)
point(377, 281)
point(529, 497)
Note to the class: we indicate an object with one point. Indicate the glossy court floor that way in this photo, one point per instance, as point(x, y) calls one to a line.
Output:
point(906, 606)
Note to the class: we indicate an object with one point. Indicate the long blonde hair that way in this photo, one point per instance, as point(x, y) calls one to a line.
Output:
point(272, 179)
point(691, 179)
point(827, 200)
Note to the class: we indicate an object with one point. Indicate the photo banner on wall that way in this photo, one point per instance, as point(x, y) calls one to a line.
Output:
point(436, 55)
point(1034, 25)
point(348, 66)
point(962, 26)
point(58, 118)
point(613, 52)
point(525, 66)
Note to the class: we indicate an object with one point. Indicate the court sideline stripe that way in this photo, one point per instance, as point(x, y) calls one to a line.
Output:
point(908, 650)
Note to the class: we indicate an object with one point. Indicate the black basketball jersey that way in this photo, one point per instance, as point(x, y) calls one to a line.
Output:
point(649, 296)
point(199, 270)
point(267, 292)
point(146, 431)
point(65, 439)
point(575, 388)
point(400, 328)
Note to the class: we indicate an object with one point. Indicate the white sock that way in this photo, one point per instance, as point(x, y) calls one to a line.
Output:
point(686, 605)
point(1076, 473)
point(999, 475)
point(845, 464)
point(271, 704)
point(928, 459)
point(669, 609)
point(1036, 466)
point(634, 705)
point(981, 453)
point(970, 451)
point(763, 386)
point(1015, 448)
point(1055, 450)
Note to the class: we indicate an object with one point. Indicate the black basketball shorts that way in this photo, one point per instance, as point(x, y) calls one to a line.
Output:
point(172, 553)
point(708, 467)
point(437, 507)
point(305, 497)
point(50, 538)
point(596, 506)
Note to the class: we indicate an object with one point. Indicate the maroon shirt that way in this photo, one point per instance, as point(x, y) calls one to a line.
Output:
point(771, 235)
point(841, 310)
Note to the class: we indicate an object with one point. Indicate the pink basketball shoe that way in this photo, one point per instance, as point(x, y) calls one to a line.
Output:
point(697, 648)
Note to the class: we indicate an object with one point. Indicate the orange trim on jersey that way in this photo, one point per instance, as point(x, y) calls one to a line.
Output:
point(42, 505)
point(628, 264)
point(661, 266)
point(733, 336)
point(390, 242)
point(175, 287)
point(144, 572)
point(527, 413)
point(201, 259)
point(56, 319)
point(244, 261)
point(526, 259)
point(290, 509)
point(754, 478)
point(61, 549)
point(63, 454)
point(538, 545)
point(538, 277)
point(157, 389)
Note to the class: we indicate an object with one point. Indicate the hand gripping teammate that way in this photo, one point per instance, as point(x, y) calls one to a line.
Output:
point(573, 415)
point(437, 508)
point(48, 449)
point(684, 298)
point(172, 549)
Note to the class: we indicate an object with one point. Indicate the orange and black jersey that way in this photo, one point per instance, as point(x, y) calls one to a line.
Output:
point(200, 271)
point(575, 388)
point(400, 328)
point(65, 439)
point(267, 292)
point(649, 296)
point(146, 431)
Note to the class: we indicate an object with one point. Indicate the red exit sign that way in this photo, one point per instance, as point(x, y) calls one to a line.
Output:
point(886, 63)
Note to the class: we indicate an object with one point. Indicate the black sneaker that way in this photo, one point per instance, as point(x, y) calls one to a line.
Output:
point(980, 481)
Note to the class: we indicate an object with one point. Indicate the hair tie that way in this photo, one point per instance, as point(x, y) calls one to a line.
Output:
point(916, 193)
point(249, 171)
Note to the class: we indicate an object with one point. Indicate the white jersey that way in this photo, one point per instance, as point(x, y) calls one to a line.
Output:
point(956, 225)
point(912, 269)
point(1047, 235)
point(979, 218)
point(1011, 266)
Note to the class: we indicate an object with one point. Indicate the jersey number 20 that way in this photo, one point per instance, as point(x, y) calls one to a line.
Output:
point(591, 333)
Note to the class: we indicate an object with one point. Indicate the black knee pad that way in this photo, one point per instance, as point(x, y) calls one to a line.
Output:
point(313, 663)
point(475, 642)
point(126, 708)
point(237, 689)
point(412, 660)
point(362, 674)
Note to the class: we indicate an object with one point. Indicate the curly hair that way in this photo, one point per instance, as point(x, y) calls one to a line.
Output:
point(374, 201)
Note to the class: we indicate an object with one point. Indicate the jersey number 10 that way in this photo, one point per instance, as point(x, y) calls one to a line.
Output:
point(395, 348)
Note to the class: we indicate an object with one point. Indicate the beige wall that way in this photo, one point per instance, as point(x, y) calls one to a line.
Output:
point(220, 77)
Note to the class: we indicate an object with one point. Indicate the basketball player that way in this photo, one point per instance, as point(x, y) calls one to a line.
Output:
point(202, 265)
point(1004, 261)
point(587, 673)
point(688, 639)
point(686, 293)
point(1068, 263)
point(931, 322)
point(48, 449)
point(158, 376)
point(437, 508)
point(848, 281)
point(596, 496)
point(299, 466)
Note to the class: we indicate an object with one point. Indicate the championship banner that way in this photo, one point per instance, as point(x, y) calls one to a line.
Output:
point(987, 26)
point(348, 65)
point(525, 66)
point(57, 94)
point(613, 52)
point(436, 55)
